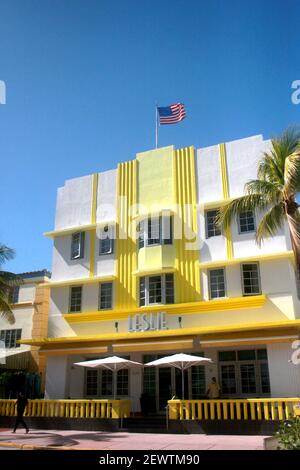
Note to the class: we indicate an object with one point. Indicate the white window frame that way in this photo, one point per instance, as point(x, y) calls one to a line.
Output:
point(163, 289)
point(206, 224)
point(209, 283)
point(162, 222)
point(239, 223)
point(106, 234)
point(112, 296)
point(81, 243)
point(242, 279)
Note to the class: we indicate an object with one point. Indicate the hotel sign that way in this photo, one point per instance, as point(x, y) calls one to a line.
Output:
point(147, 322)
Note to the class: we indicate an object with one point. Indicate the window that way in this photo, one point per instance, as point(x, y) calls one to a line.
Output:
point(106, 245)
point(77, 245)
point(198, 382)
point(246, 222)
point(14, 295)
point(122, 382)
point(107, 382)
point(212, 229)
point(244, 372)
point(10, 337)
point(91, 383)
point(75, 299)
point(157, 290)
point(217, 283)
point(250, 275)
point(156, 231)
point(105, 296)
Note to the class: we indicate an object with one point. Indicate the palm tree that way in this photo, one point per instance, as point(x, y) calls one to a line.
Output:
point(7, 282)
point(273, 192)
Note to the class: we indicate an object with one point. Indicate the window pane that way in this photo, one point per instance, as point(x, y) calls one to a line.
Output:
point(106, 382)
point(92, 382)
point(105, 296)
point(75, 299)
point(169, 279)
point(227, 356)
point(142, 292)
point(77, 245)
point(246, 355)
point(14, 295)
point(228, 379)
point(198, 382)
point(154, 231)
point(10, 337)
point(246, 222)
point(248, 380)
point(264, 377)
point(211, 228)
point(217, 283)
point(106, 243)
point(167, 229)
point(122, 382)
point(155, 290)
point(262, 354)
point(251, 283)
point(141, 234)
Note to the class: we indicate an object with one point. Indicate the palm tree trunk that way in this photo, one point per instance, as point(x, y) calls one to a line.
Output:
point(294, 227)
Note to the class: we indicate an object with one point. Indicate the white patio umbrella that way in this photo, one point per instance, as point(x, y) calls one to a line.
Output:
point(180, 361)
point(113, 363)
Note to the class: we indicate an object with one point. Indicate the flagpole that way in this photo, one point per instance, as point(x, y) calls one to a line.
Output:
point(156, 126)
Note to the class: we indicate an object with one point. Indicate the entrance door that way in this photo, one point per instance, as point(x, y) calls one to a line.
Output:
point(228, 379)
point(165, 386)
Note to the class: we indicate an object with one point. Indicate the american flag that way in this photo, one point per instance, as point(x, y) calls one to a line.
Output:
point(171, 114)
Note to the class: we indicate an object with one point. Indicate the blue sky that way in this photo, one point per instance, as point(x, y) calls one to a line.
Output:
point(82, 79)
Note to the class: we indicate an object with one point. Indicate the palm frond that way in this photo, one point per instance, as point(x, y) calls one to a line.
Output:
point(250, 202)
point(6, 253)
point(270, 191)
point(292, 174)
point(270, 223)
point(6, 312)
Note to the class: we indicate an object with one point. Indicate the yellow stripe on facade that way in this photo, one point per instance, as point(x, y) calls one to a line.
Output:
point(225, 188)
point(187, 268)
point(93, 221)
point(126, 243)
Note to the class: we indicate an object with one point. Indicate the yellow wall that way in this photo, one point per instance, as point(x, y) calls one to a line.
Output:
point(155, 178)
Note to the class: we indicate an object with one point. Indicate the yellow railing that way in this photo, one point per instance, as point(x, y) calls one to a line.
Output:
point(106, 409)
point(245, 409)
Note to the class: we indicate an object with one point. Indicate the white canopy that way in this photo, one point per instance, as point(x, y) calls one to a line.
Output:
point(181, 361)
point(113, 363)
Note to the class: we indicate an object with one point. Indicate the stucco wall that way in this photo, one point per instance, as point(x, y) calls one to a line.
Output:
point(284, 375)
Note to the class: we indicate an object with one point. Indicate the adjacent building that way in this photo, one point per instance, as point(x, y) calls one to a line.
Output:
point(30, 305)
point(141, 269)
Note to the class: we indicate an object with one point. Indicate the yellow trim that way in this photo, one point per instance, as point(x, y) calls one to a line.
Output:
point(187, 277)
point(158, 346)
point(153, 213)
point(126, 244)
point(92, 254)
point(69, 231)
point(80, 281)
point(153, 272)
point(175, 334)
point(237, 303)
point(260, 257)
point(213, 204)
point(225, 188)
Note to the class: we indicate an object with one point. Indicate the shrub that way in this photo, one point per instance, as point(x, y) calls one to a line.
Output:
point(289, 434)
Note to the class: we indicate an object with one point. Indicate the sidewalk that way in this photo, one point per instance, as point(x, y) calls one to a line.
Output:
point(87, 440)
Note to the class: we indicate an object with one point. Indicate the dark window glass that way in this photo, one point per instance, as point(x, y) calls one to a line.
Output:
point(77, 245)
point(262, 354)
point(142, 292)
point(217, 283)
point(10, 337)
point(14, 295)
point(227, 356)
point(107, 382)
point(228, 379)
point(92, 382)
point(155, 293)
point(154, 231)
point(169, 278)
point(246, 355)
point(75, 299)
point(106, 290)
point(106, 244)
point(198, 382)
point(251, 284)
point(248, 379)
point(123, 382)
point(264, 377)
point(212, 229)
point(246, 222)
point(141, 232)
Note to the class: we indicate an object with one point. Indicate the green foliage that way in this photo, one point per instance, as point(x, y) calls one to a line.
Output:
point(289, 434)
point(7, 281)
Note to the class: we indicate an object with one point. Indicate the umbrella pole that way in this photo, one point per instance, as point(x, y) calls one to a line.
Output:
point(115, 382)
point(182, 381)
